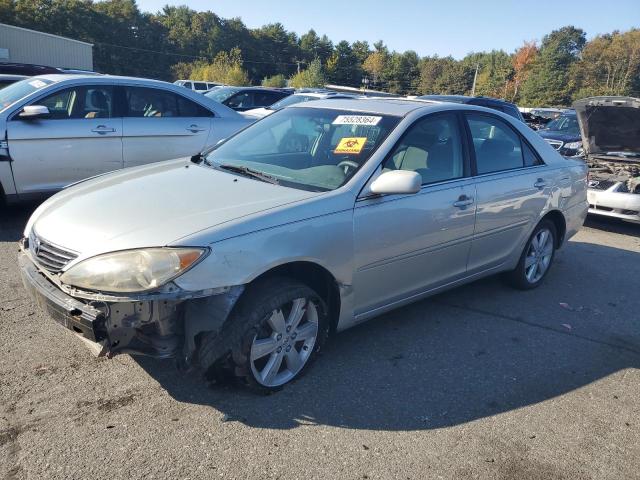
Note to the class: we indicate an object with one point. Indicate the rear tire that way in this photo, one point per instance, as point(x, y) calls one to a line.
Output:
point(536, 258)
point(274, 332)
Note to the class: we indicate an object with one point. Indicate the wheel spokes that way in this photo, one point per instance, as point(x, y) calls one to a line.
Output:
point(263, 347)
point(297, 312)
point(272, 368)
point(306, 331)
point(276, 321)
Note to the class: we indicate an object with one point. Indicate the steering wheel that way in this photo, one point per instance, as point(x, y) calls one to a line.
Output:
point(347, 164)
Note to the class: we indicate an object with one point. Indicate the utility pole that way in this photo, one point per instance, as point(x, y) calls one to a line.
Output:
point(475, 77)
point(298, 63)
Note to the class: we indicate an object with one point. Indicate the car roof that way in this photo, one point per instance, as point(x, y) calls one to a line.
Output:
point(382, 106)
point(58, 77)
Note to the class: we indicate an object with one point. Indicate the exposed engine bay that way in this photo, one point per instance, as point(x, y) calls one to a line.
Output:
point(605, 172)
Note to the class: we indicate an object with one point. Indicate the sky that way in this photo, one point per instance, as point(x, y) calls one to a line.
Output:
point(445, 27)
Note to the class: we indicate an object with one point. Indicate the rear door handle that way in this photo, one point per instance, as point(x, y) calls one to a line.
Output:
point(463, 201)
point(195, 128)
point(540, 184)
point(103, 129)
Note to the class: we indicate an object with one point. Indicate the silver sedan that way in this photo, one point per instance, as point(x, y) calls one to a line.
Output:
point(314, 219)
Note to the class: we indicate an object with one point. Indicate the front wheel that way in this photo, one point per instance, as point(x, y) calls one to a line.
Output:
point(279, 326)
point(536, 257)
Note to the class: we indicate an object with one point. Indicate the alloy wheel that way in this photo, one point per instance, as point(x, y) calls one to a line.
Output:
point(539, 255)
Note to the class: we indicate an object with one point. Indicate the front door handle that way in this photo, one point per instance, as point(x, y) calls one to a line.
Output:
point(195, 128)
point(540, 184)
point(103, 129)
point(463, 201)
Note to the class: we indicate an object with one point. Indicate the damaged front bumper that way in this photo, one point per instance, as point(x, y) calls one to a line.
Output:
point(161, 324)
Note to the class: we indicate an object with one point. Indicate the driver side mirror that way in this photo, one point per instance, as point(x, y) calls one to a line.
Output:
point(32, 112)
point(397, 182)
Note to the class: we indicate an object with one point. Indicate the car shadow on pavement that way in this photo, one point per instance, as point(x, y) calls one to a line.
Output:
point(12, 221)
point(470, 353)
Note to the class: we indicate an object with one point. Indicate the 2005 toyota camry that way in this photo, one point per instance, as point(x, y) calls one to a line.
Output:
point(244, 259)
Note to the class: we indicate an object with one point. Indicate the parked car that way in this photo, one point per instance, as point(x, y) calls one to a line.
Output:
point(563, 134)
point(59, 129)
point(548, 113)
point(297, 98)
point(8, 79)
point(493, 103)
point(313, 219)
point(610, 128)
point(242, 99)
point(534, 121)
point(197, 86)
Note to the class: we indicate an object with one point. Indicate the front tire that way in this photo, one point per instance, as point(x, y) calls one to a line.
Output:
point(273, 334)
point(536, 258)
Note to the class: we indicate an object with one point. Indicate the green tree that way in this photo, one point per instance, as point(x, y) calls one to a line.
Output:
point(278, 80)
point(225, 68)
point(343, 67)
point(548, 83)
point(312, 77)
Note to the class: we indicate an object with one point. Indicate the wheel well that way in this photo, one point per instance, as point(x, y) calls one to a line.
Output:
point(561, 225)
point(316, 277)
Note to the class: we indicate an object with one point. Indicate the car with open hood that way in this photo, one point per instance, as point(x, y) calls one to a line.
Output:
point(610, 130)
point(314, 219)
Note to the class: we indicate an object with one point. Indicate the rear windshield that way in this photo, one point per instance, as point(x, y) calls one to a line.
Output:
point(292, 100)
point(222, 94)
point(566, 124)
point(309, 148)
point(16, 91)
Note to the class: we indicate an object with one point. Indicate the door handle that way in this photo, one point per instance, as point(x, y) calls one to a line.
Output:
point(195, 128)
point(103, 129)
point(463, 201)
point(540, 184)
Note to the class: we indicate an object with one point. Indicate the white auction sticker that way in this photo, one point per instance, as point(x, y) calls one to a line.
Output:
point(37, 83)
point(356, 120)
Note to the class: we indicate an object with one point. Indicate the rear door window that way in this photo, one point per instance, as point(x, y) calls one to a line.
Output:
point(200, 86)
point(497, 146)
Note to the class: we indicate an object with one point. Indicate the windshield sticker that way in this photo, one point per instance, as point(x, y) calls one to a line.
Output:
point(37, 83)
point(350, 145)
point(356, 120)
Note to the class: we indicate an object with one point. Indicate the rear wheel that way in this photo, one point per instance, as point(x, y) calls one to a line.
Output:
point(274, 332)
point(536, 258)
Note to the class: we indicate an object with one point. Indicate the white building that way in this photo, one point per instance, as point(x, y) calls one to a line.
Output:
point(21, 45)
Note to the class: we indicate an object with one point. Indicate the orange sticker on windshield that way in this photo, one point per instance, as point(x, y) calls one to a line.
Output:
point(350, 145)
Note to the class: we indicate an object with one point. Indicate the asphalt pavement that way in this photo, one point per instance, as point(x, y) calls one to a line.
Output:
point(480, 382)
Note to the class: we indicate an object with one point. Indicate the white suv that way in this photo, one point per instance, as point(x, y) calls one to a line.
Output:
point(197, 86)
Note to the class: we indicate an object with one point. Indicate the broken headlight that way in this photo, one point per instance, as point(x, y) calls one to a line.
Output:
point(132, 270)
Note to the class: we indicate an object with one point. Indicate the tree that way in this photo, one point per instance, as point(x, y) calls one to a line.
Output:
point(278, 80)
point(226, 68)
point(522, 60)
point(375, 65)
point(312, 77)
point(548, 83)
point(610, 65)
point(494, 75)
point(343, 67)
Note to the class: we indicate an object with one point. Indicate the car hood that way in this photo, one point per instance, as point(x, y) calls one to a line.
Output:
point(153, 205)
point(609, 124)
point(557, 135)
point(257, 112)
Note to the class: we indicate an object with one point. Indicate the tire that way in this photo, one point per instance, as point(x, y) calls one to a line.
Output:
point(523, 277)
point(265, 349)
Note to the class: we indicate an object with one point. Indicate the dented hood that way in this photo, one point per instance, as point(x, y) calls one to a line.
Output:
point(609, 124)
point(153, 205)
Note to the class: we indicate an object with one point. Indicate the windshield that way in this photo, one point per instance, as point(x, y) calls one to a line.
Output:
point(566, 124)
point(309, 148)
point(291, 100)
point(222, 93)
point(16, 91)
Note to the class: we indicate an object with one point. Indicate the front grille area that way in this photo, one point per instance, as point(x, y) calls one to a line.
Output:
point(557, 144)
point(51, 257)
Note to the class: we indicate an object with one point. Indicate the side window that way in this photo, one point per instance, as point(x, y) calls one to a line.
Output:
point(531, 159)
point(433, 148)
point(264, 99)
point(151, 102)
point(79, 103)
point(187, 108)
point(240, 100)
point(497, 146)
point(200, 86)
point(187, 85)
